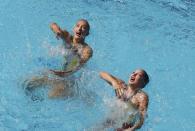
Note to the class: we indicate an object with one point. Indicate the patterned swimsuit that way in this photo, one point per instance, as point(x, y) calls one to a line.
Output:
point(131, 111)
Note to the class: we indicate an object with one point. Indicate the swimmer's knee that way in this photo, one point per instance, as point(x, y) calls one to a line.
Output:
point(56, 91)
point(34, 82)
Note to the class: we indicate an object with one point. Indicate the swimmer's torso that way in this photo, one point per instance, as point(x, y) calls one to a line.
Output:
point(123, 112)
point(72, 57)
point(130, 106)
point(122, 93)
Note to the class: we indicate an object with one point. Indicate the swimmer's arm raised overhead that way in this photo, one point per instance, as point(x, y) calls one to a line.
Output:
point(142, 109)
point(63, 34)
point(113, 81)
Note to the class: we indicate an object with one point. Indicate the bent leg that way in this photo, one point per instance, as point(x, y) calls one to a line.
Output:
point(57, 90)
point(35, 82)
point(60, 88)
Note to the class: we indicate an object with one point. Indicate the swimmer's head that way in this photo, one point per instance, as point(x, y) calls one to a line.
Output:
point(139, 78)
point(81, 29)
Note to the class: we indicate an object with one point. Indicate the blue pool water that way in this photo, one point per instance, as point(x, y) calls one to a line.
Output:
point(157, 35)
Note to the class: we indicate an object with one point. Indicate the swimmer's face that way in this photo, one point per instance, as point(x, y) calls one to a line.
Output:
point(137, 78)
point(81, 29)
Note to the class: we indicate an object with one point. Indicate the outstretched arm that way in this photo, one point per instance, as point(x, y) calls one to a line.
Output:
point(63, 34)
point(113, 81)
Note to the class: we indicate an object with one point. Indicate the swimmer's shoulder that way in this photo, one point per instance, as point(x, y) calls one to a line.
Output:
point(142, 95)
point(88, 49)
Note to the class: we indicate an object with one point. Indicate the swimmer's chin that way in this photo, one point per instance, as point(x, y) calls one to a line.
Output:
point(79, 37)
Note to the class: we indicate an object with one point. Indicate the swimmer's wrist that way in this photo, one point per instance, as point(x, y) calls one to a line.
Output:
point(119, 92)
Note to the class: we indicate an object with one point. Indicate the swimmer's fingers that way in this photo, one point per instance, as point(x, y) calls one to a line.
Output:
point(118, 92)
point(122, 84)
point(56, 29)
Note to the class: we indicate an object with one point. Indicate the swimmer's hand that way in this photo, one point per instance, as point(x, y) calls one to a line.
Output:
point(61, 73)
point(57, 30)
point(118, 84)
